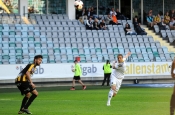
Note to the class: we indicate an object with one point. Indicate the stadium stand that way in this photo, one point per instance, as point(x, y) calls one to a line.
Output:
point(60, 40)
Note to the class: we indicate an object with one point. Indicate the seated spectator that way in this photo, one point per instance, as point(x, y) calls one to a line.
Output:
point(93, 12)
point(150, 12)
point(118, 14)
point(89, 13)
point(95, 24)
point(89, 24)
point(172, 24)
point(108, 19)
point(114, 20)
point(150, 20)
point(128, 30)
point(139, 30)
point(167, 18)
point(162, 25)
point(112, 12)
point(157, 19)
point(102, 25)
point(172, 14)
point(136, 23)
point(83, 14)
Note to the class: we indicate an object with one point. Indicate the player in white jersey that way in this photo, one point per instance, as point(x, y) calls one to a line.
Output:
point(172, 101)
point(117, 76)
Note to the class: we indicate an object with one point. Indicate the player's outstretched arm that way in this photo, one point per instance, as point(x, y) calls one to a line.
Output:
point(127, 55)
point(172, 69)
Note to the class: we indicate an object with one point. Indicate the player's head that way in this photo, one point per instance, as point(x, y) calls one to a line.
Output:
point(120, 58)
point(38, 59)
point(75, 61)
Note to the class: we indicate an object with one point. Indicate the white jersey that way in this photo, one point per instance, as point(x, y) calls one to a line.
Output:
point(120, 70)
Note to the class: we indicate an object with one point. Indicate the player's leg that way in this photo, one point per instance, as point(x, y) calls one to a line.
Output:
point(73, 84)
point(108, 78)
point(110, 94)
point(112, 90)
point(84, 86)
point(31, 99)
point(24, 101)
point(172, 102)
point(22, 87)
point(104, 80)
point(118, 85)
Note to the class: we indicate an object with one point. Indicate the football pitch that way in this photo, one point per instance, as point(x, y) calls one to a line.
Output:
point(92, 101)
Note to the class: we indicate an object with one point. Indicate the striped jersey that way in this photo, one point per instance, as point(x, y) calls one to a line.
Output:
point(120, 69)
point(22, 75)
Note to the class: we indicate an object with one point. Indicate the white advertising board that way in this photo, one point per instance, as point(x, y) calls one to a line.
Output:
point(88, 70)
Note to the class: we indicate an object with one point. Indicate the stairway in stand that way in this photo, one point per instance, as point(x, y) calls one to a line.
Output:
point(158, 38)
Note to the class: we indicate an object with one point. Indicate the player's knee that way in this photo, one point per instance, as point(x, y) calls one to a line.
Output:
point(79, 80)
point(28, 95)
point(113, 87)
point(35, 92)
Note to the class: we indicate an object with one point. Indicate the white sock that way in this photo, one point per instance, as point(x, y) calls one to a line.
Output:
point(110, 95)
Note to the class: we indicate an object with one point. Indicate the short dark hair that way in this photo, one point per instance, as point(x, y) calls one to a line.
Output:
point(119, 55)
point(38, 56)
point(107, 61)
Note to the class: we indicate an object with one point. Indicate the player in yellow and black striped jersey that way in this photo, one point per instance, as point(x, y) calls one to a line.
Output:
point(26, 86)
point(172, 101)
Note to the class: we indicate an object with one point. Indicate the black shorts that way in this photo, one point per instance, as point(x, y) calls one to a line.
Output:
point(24, 87)
point(76, 77)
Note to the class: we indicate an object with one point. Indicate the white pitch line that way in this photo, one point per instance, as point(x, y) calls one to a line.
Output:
point(5, 99)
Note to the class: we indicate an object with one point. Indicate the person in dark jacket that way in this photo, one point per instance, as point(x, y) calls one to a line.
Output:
point(96, 25)
point(139, 30)
point(136, 23)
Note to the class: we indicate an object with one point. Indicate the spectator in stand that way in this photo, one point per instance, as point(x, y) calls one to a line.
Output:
point(93, 12)
point(119, 15)
point(89, 13)
point(150, 12)
point(172, 24)
point(108, 19)
point(167, 18)
point(128, 30)
point(102, 25)
point(162, 25)
point(30, 9)
point(112, 12)
point(83, 14)
point(89, 24)
point(114, 20)
point(172, 14)
point(150, 20)
point(139, 30)
point(136, 23)
point(95, 24)
point(157, 19)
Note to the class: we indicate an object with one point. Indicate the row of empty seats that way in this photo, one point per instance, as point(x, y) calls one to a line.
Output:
point(50, 44)
point(50, 17)
point(168, 33)
point(145, 57)
point(92, 50)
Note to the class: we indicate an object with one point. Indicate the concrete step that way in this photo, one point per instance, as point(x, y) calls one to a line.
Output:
point(26, 21)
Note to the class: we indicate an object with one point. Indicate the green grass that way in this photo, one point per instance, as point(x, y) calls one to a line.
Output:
point(61, 101)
